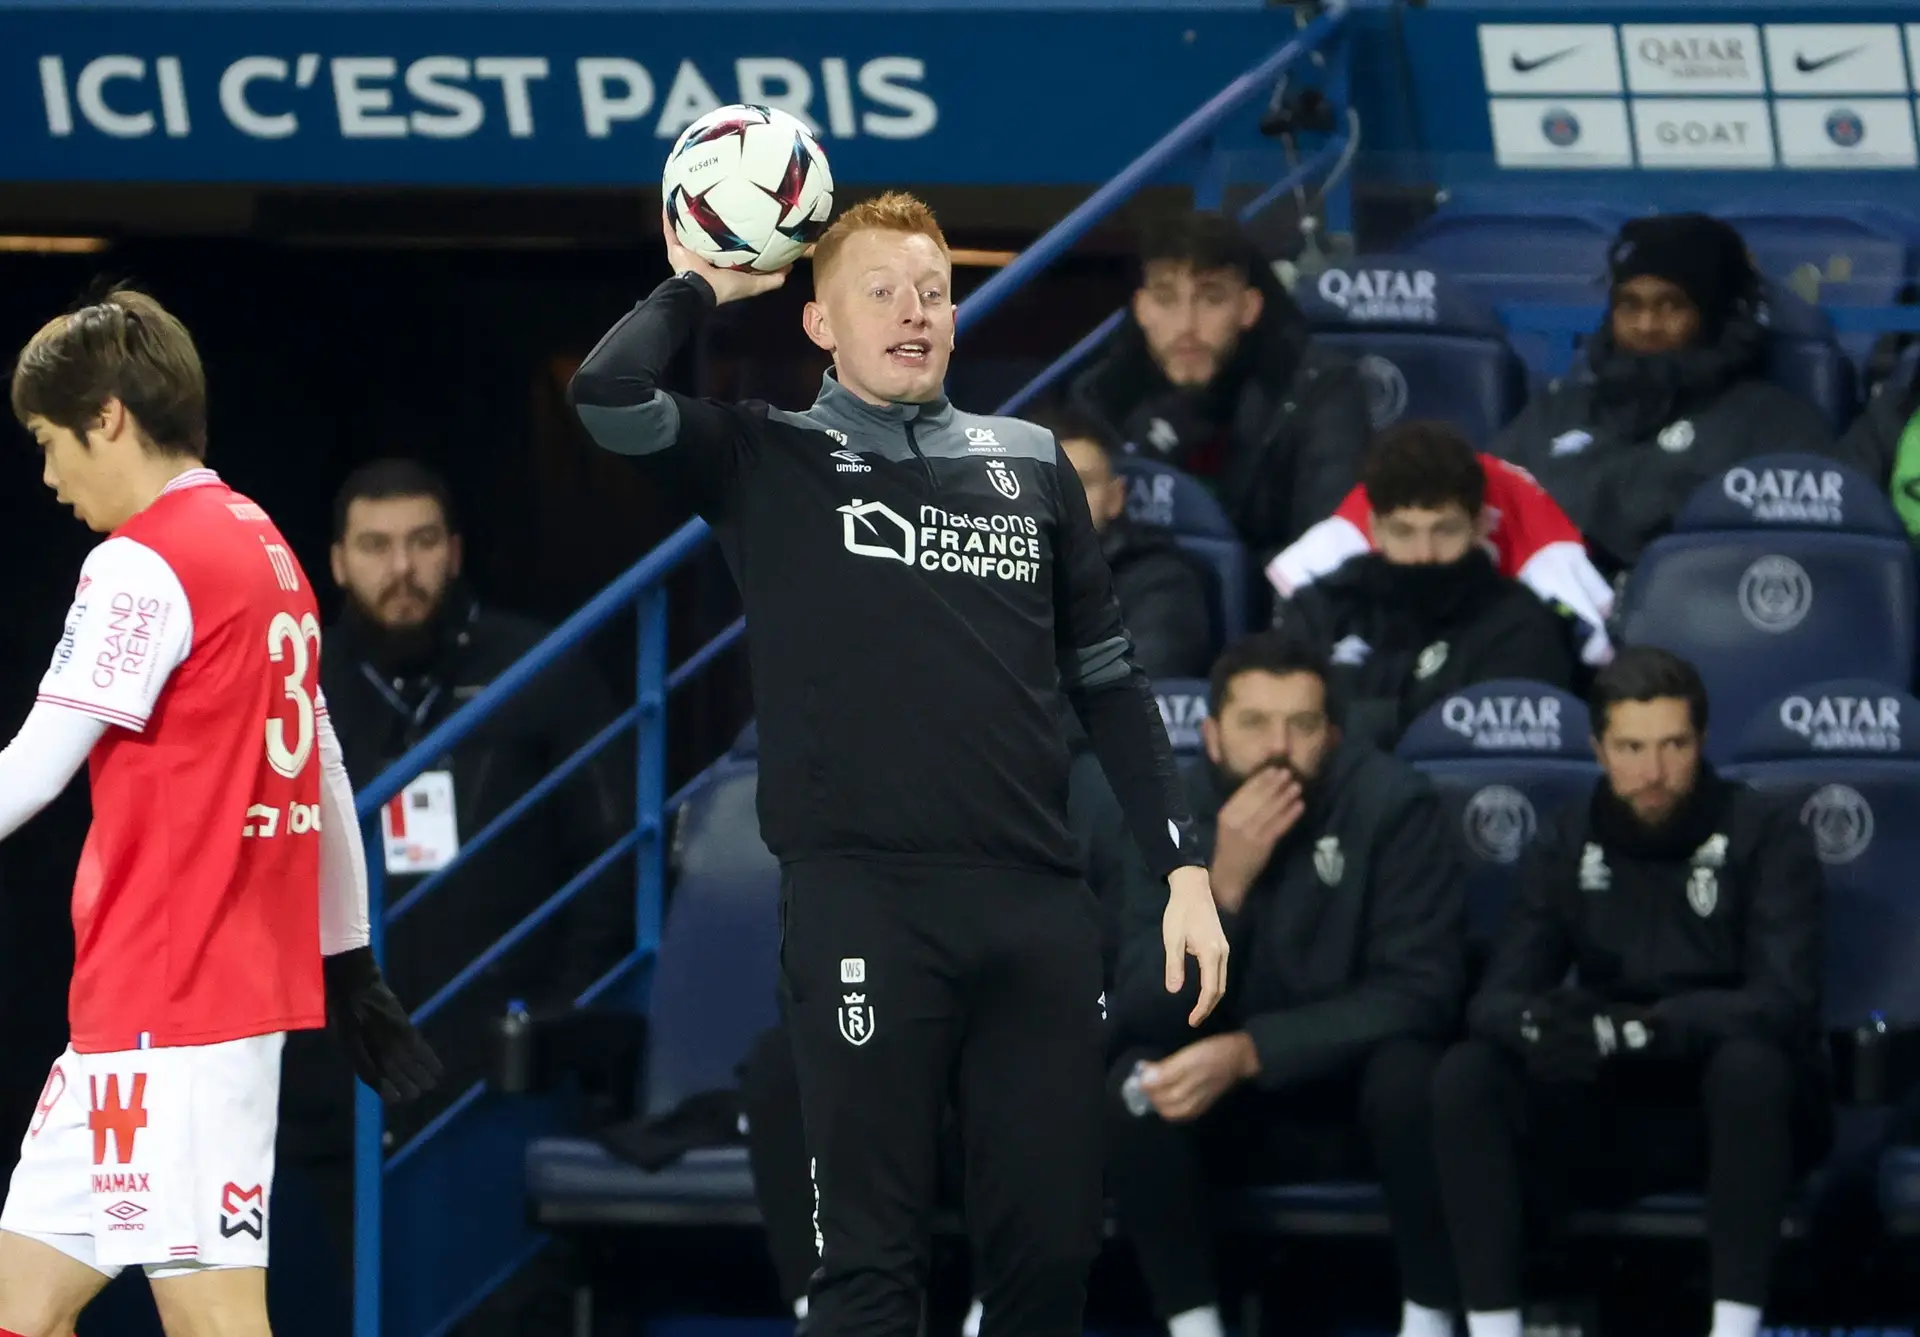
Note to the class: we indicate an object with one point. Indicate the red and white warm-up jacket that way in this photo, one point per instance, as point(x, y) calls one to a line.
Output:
point(1529, 536)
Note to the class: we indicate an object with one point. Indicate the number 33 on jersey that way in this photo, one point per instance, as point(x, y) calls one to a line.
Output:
point(195, 637)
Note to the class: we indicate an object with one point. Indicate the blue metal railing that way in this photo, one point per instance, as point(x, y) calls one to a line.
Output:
point(642, 589)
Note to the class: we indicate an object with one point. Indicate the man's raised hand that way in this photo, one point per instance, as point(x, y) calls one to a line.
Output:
point(729, 285)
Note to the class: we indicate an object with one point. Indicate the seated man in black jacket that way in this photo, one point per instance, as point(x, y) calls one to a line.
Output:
point(1164, 597)
point(1343, 906)
point(1213, 372)
point(1427, 612)
point(1673, 392)
point(1687, 1045)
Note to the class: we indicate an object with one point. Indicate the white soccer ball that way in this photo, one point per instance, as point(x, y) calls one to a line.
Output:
point(747, 187)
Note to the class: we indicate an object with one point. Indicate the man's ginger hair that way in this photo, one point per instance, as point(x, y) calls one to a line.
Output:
point(895, 211)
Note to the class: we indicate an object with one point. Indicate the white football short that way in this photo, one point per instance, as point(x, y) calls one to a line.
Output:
point(156, 1158)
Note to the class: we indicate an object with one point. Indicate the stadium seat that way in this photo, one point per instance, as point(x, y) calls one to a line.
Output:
point(1425, 345)
point(1847, 751)
point(1160, 496)
point(1825, 256)
point(1783, 570)
point(1505, 755)
point(714, 992)
point(1807, 357)
point(1522, 256)
point(1183, 704)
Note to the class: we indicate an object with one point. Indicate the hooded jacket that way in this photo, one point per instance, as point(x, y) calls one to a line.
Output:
point(1872, 443)
point(1623, 444)
point(1287, 421)
point(1401, 638)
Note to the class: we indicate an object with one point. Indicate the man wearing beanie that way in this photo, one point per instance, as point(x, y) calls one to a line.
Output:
point(1671, 393)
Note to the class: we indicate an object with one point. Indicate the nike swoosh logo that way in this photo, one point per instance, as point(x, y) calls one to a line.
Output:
point(1528, 64)
point(1805, 66)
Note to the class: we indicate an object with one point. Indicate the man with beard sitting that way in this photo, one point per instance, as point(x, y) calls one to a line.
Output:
point(413, 645)
point(1674, 390)
point(1342, 901)
point(1426, 613)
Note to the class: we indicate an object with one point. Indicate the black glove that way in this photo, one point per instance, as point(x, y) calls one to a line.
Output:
point(1567, 1034)
point(389, 1054)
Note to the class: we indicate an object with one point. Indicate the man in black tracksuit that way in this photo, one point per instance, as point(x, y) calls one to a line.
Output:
point(1687, 1044)
point(1673, 392)
point(1426, 613)
point(1343, 902)
point(1213, 371)
point(920, 586)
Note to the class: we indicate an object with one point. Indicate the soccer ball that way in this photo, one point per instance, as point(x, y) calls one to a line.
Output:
point(747, 187)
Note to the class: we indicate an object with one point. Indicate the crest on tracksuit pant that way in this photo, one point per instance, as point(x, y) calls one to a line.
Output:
point(856, 1013)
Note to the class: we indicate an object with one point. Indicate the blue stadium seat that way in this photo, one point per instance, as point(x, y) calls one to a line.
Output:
point(1163, 497)
point(1426, 346)
point(1505, 755)
point(714, 992)
point(1826, 256)
point(1807, 358)
point(1522, 256)
point(1847, 751)
point(1183, 704)
point(1781, 571)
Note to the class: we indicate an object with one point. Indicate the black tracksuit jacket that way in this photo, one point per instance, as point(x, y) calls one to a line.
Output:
point(921, 585)
point(1353, 934)
point(1713, 923)
point(1400, 645)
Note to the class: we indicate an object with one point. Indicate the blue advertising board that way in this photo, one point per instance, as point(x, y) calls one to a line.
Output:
point(592, 96)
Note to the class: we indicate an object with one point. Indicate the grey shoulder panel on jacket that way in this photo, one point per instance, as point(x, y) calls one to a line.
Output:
point(1001, 438)
point(645, 428)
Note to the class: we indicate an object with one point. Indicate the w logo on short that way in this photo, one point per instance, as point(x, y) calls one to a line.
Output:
point(110, 1118)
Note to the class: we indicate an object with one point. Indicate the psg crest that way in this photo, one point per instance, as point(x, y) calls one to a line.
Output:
point(856, 1018)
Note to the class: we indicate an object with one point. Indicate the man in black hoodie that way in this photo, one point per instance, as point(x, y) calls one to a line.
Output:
point(1165, 598)
point(1426, 613)
point(1651, 1015)
point(411, 647)
point(1673, 391)
point(1341, 897)
point(1213, 373)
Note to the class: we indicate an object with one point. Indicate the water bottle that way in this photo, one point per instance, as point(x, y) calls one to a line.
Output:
point(513, 1050)
point(1133, 1091)
point(1870, 1061)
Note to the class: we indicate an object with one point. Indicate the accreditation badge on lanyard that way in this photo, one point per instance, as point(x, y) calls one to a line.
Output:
point(419, 826)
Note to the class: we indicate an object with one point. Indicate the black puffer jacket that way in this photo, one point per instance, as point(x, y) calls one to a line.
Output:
point(1165, 600)
point(1287, 421)
point(1622, 444)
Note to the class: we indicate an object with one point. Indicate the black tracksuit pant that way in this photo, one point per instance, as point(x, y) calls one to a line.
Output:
point(909, 985)
point(1746, 1121)
point(777, 1151)
point(1372, 1122)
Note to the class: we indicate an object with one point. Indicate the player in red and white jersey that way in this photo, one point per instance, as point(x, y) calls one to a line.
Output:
point(221, 897)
